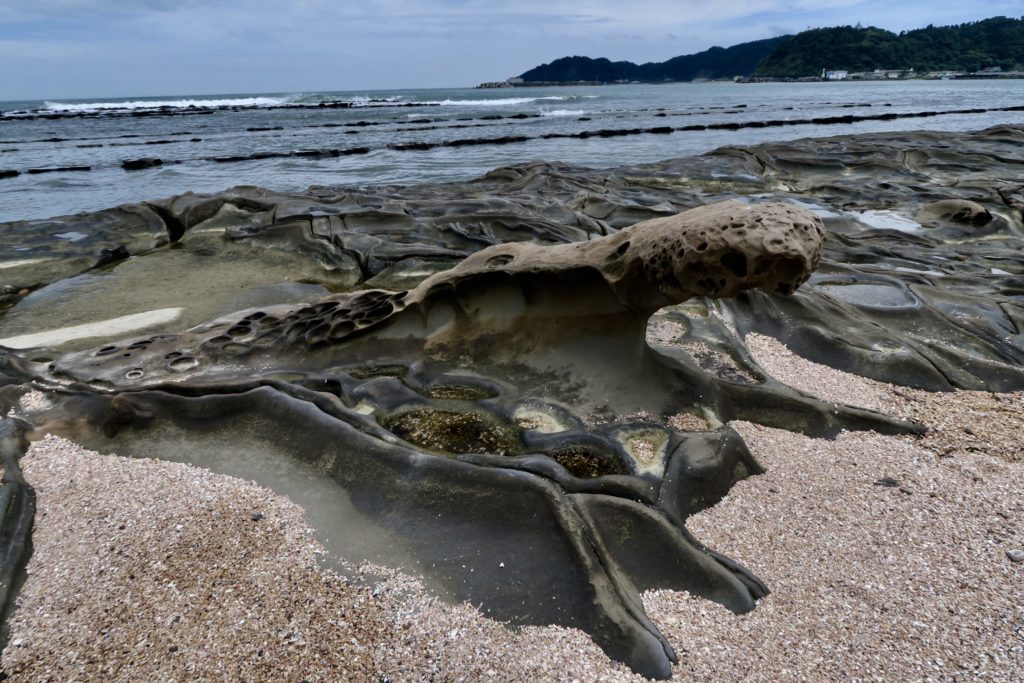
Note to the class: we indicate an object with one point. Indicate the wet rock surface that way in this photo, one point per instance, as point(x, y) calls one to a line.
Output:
point(482, 357)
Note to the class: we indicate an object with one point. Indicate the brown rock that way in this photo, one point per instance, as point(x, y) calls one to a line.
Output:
point(960, 211)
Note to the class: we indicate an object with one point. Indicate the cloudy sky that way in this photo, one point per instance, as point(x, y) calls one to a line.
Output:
point(111, 48)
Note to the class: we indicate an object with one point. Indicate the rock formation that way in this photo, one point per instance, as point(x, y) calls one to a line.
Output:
point(476, 381)
point(427, 403)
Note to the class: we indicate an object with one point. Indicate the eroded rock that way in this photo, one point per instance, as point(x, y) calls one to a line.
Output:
point(959, 211)
point(485, 348)
point(489, 387)
point(519, 303)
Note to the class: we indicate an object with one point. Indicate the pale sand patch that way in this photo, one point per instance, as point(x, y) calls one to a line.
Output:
point(818, 380)
point(688, 422)
point(18, 263)
point(886, 557)
point(145, 570)
point(885, 563)
point(959, 421)
point(34, 401)
point(122, 325)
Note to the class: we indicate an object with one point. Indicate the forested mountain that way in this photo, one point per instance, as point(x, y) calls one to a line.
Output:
point(714, 63)
point(996, 42)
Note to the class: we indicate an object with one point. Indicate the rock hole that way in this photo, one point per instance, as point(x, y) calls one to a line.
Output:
point(499, 260)
point(380, 311)
point(341, 329)
point(326, 306)
point(789, 269)
point(236, 349)
point(371, 371)
point(450, 431)
point(458, 392)
point(586, 463)
point(735, 263)
point(183, 363)
point(318, 333)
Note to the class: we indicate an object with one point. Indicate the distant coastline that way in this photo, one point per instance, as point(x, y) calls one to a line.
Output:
point(977, 76)
point(988, 49)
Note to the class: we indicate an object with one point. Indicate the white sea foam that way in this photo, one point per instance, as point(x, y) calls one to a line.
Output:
point(102, 328)
point(503, 102)
point(563, 112)
point(156, 104)
point(363, 99)
point(18, 263)
point(72, 236)
point(886, 220)
point(284, 100)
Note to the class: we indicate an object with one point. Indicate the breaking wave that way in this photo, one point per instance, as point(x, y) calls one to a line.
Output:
point(128, 105)
point(563, 112)
point(503, 102)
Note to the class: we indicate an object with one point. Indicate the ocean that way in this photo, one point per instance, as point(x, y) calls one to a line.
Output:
point(290, 141)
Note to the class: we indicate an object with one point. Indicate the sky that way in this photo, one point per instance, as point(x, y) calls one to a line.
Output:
point(51, 49)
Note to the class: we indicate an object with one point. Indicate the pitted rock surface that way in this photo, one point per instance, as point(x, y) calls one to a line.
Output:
point(548, 294)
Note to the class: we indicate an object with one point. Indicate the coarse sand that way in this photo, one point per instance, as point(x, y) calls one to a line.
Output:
point(888, 559)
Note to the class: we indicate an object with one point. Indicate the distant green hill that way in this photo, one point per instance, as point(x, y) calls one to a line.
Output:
point(968, 47)
point(714, 63)
point(995, 42)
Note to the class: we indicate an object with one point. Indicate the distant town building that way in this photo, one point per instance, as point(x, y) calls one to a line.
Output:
point(882, 74)
point(835, 75)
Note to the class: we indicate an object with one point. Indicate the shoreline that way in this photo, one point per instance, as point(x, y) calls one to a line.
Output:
point(860, 537)
point(421, 146)
point(870, 578)
point(498, 85)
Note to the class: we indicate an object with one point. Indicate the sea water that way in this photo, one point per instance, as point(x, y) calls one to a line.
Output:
point(188, 132)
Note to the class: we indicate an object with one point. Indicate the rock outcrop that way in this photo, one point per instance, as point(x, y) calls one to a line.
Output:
point(491, 369)
point(427, 403)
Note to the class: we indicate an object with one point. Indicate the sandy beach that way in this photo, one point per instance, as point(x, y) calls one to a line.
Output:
point(889, 558)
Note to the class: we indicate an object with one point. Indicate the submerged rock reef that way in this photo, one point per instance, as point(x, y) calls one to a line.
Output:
point(518, 387)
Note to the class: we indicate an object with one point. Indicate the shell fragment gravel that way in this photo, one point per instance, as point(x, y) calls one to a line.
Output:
point(910, 579)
